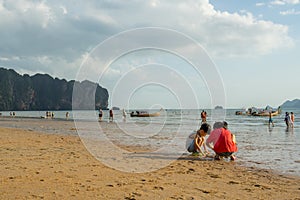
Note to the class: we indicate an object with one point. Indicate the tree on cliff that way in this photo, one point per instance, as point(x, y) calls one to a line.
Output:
point(42, 92)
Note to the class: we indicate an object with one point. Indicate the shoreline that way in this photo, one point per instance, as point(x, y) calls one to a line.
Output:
point(67, 127)
point(37, 165)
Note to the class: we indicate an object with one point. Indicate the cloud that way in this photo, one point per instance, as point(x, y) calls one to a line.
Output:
point(278, 2)
point(59, 33)
point(290, 12)
point(292, 1)
point(260, 4)
point(284, 2)
point(65, 11)
point(240, 34)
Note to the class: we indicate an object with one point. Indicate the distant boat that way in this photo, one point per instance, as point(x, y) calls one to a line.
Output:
point(242, 113)
point(144, 114)
point(115, 108)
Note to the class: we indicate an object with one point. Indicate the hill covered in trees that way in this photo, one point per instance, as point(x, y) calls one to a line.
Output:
point(42, 92)
point(291, 104)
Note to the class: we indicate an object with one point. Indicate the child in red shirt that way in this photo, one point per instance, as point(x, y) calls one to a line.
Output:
point(226, 144)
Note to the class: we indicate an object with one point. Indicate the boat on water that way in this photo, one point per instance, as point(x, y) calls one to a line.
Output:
point(259, 112)
point(239, 112)
point(144, 114)
point(266, 113)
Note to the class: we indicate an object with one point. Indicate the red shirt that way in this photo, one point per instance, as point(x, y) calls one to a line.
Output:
point(214, 136)
point(225, 143)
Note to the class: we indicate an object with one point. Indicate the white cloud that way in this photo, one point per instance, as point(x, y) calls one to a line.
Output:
point(290, 12)
point(292, 1)
point(278, 2)
point(233, 34)
point(56, 66)
point(260, 4)
point(58, 33)
point(64, 10)
point(284, 2)
point(29, 12)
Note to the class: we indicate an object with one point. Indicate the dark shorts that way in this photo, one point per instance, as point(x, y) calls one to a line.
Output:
point(225, 154)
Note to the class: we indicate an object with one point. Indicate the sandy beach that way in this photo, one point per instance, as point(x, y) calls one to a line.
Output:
point(50, 166)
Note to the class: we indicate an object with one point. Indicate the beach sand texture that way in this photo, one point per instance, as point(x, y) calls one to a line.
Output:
point(50, 166)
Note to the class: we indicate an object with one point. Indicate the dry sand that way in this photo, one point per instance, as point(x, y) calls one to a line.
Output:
point(48, 166)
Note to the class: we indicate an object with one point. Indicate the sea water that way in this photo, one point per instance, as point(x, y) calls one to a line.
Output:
point(276, 148)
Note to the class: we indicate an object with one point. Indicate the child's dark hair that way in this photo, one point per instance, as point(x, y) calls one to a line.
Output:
point(225, 125)
point(218, 125)
point(205, 127)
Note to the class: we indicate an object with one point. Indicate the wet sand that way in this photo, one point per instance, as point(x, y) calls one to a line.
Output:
point(51, 166)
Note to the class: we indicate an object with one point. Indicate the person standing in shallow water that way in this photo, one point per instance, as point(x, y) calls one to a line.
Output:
point(292, 119)
point(100, 115)
point(287, 119)
point(124, 115)
point(111, 115)
point(203, 116)
point(270, 119)
point(67, 115)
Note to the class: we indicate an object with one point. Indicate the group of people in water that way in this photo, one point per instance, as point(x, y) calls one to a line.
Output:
point(289, 119)
point(111, 115)
point(12, 114)
point(49, 114)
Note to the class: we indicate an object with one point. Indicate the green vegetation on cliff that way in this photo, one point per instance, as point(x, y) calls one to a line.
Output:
point(291, 104)
point(42, 92)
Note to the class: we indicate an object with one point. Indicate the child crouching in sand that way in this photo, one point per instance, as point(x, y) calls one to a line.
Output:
point(226, 144)
point(199, 141)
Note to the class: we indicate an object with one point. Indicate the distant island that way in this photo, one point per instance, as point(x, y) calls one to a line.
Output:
point(42, 92)
point(291, 104)
point(218, 107)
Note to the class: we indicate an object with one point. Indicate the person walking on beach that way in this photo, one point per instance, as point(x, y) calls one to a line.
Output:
point(292, 119)
point(67, 115)
point(203, 116)
point(111, 115)
point(270, 119)
point(124, 115)
point(199, 141)
point(100, 115)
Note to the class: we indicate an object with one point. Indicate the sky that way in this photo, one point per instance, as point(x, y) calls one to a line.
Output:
point(150, 54)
